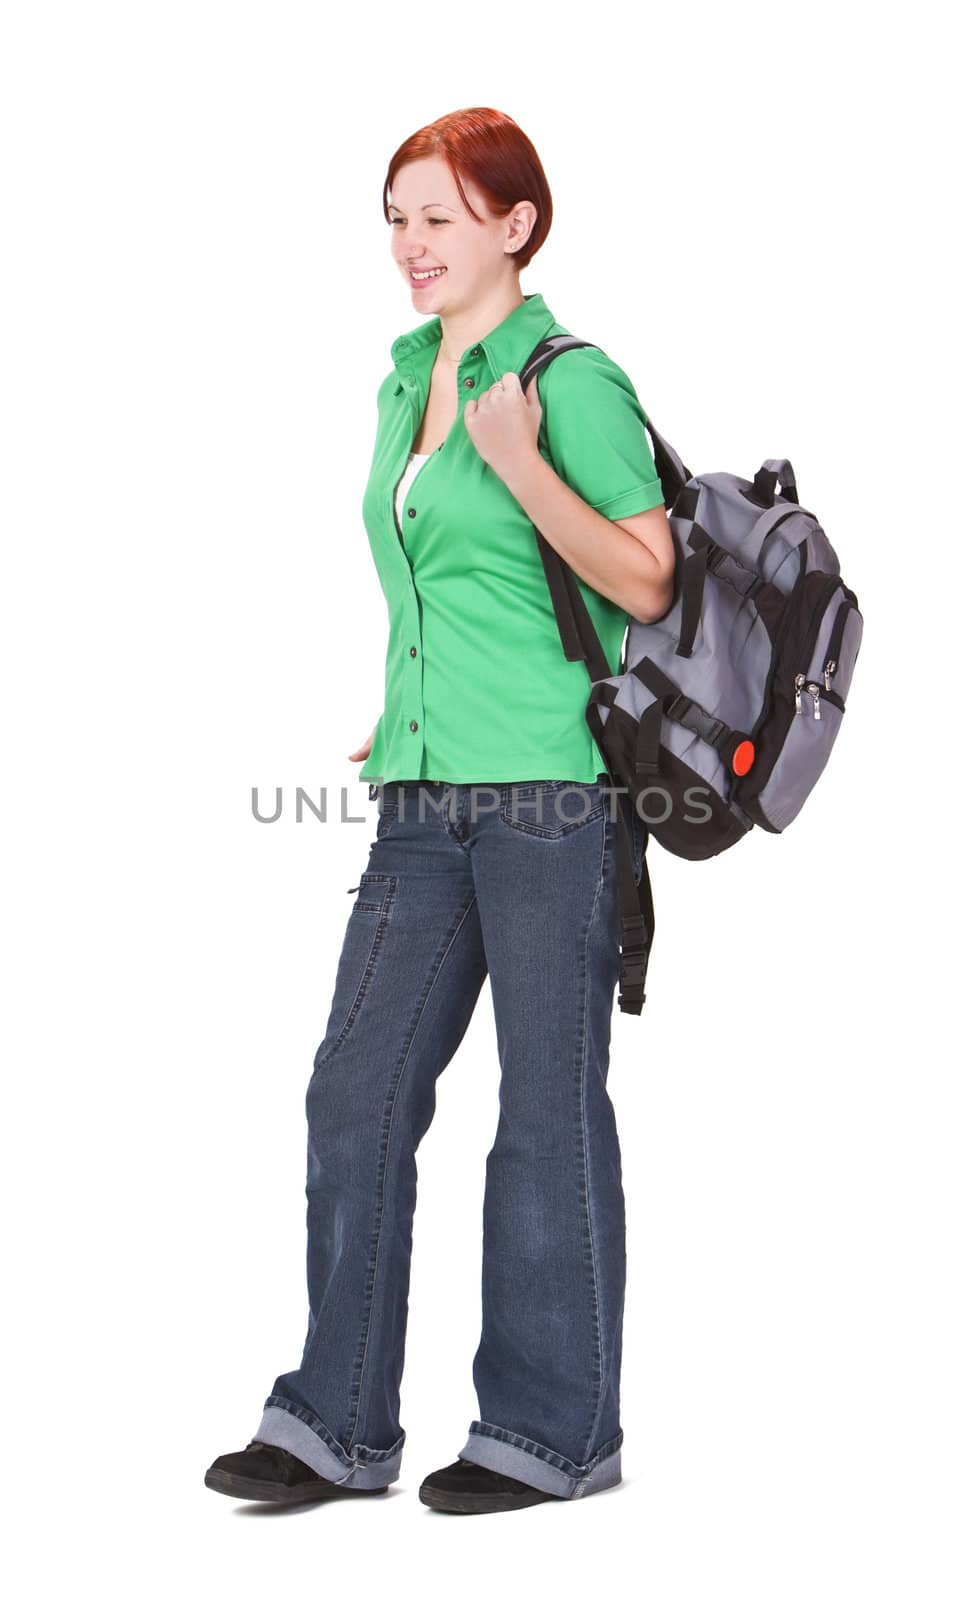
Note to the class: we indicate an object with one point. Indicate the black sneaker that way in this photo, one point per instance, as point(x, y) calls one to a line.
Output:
point(266, 1472)
point(466, 1486)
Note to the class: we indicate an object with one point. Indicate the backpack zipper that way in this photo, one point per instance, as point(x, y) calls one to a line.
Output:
point(819, 609)
point(835, 642)
point(831, 659)
point(805, 686)
point(776, 654)
point(789, 609)
point(809, 633)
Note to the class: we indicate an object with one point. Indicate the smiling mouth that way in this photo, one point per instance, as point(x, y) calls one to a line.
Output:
point(433, 272)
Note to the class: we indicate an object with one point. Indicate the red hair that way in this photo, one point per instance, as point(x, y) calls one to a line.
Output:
point(488, 148)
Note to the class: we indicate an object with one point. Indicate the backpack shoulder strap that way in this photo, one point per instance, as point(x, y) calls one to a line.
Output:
point(635, 905)
point(581, 643)
point(574, 623)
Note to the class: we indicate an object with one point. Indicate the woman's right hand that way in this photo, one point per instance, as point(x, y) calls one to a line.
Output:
point(365, 751)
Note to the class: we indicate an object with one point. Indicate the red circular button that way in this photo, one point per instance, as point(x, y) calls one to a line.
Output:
point(743, 757)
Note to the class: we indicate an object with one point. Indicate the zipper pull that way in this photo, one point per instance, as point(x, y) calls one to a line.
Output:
point(800, 680)
point(827, 672)
point(814, 691)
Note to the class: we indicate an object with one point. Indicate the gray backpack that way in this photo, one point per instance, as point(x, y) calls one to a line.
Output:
point(728, 707)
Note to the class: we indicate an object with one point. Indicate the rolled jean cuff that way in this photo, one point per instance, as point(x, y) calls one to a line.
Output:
point(314, 1444)
point(502, 1451)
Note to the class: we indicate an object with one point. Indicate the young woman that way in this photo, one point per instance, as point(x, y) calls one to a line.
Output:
point(494, 856)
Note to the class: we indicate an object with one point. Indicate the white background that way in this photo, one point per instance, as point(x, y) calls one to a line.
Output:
point(750, 216)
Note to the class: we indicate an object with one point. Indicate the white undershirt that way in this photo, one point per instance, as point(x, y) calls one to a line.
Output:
point(415, 463)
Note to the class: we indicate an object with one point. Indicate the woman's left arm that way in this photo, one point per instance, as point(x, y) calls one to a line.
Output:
point(630, 561)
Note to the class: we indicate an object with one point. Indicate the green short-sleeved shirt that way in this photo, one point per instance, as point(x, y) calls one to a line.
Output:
point(477, 686)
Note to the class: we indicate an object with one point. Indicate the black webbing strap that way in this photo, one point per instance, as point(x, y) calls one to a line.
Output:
point(635, 913)
point(723, 565)
point(581, 642)
point(649, 729)
point(578, 635)
point(678, 706)
point(764, 484)
point(708, 556)
point(694, 577)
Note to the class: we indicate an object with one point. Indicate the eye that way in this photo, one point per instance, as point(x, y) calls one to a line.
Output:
point(439, 220)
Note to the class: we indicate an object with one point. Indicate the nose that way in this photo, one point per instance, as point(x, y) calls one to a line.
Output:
point(411, 249)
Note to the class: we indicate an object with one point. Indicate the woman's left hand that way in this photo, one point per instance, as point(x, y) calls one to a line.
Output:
point(504, 423)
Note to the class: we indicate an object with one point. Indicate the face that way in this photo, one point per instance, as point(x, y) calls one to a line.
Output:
point(431, 228)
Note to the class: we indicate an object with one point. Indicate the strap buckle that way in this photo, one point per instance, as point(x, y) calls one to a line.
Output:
point(634, 969)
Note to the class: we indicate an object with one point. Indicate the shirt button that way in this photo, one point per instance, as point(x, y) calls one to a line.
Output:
point(412, 512)
point(414, 650)
point(413, 726)
point(469, 383)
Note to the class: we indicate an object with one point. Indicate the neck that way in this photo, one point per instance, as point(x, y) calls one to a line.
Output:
point(462, 329)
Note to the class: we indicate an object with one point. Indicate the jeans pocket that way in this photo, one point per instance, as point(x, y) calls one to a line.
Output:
point(551, 807)
point(387, 809)
point(387, 818)
point(365, 932)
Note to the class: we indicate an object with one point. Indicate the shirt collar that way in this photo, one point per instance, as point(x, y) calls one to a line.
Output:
point(505, 348)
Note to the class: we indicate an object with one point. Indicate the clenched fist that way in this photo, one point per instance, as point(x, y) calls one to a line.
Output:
point(504, 422)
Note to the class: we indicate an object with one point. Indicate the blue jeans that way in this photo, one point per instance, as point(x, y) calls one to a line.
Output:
point(516, 881)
